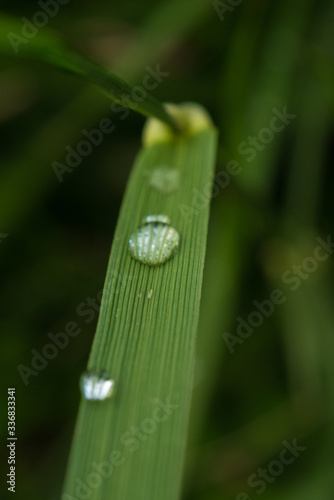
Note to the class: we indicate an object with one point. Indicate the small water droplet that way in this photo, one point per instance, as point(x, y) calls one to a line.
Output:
point(155, 242)
point(165, 179)
point(150, 293)
point(96, 386)
point(164, 219)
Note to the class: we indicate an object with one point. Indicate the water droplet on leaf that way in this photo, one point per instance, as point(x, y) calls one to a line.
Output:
point(164, 219)
point(96, 386)
point(165, 179)
point(155, 242)
point(150, 293)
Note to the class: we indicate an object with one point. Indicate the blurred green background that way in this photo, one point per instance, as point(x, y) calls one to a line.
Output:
point(246, 62)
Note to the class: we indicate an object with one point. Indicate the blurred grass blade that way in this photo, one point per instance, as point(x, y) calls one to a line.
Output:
point(24, 173)
point(50, 48)
point(253, 91)
point(227, 256)
point(132, 445)
point(308, 157)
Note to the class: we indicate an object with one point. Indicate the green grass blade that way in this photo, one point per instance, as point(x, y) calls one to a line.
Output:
point(146, 332)
point(25, 172)
point(50, 48)
point(254, 89)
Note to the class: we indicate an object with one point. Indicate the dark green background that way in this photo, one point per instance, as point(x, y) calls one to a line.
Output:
point(278, 384)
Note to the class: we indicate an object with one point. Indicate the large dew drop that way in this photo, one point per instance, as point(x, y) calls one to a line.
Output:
point(155, 242)
point(96, 386)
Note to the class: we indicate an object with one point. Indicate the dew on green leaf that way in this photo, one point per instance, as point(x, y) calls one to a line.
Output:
point(165, 179)
point(96, 385)
point(155, 242)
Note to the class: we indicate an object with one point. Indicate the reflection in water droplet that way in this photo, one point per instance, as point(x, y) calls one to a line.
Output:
point(155, 242)
point(165, 179)
point(164, 219)
point(96, 386)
